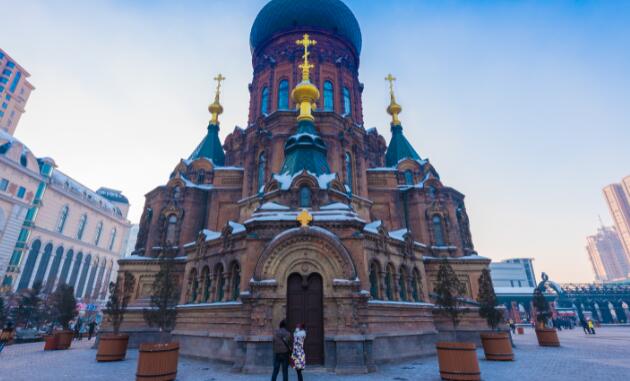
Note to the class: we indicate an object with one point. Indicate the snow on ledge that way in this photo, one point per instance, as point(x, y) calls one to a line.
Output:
point(373, 226)
point(205, 305)
point(273, 206)
point(336, 206)
point(286, 179)
point(399, 303)
point(237, 228)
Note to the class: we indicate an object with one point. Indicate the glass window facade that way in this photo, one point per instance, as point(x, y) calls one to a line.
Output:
point(4, 184)
point(21, 192)
point(15, 82)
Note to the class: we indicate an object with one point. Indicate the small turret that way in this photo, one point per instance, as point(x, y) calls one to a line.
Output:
point(210, 147)
point(399, 147)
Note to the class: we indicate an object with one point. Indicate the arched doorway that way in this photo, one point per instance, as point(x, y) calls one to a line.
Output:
point(305, 304)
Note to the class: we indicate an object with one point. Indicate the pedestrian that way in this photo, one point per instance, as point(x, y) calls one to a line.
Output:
point(591, 326)
point(77, 329)
point(298, 357)
point(512, 326)
point(6, 337)
point(281, 351)
point(82, 331)
point(585, 326)
point(91, 328)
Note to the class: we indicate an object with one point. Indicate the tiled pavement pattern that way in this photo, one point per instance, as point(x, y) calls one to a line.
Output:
point(604, 356)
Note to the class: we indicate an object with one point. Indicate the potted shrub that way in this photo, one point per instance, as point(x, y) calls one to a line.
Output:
point(458, 360)
point(547, 337)
point(64, 309)
point(159, 361)
point(113, 346)
point(496, 345)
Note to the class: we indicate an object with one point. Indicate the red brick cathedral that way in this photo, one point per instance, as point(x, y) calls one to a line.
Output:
point(305, 215)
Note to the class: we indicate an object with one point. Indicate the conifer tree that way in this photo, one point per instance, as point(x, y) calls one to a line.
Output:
point(488, 301)
point(543, 311)
point(64, 305)
point(448, 289)
point(119, 297)
point(29, 304)
point(165, 294)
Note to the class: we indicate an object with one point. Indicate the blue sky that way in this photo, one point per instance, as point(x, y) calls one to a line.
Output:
point(522, 106)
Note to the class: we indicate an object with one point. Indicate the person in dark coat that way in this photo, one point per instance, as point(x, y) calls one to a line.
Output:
point(77, 329)
point(91, 328)
point(7, 335)
point(281, 351)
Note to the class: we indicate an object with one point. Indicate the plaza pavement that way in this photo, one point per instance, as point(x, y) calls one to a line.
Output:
point(604, 356)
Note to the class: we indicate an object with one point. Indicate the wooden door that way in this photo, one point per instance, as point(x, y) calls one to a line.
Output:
point(305, 304)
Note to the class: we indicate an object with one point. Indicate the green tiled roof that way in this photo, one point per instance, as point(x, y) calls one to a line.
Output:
point(283, 15)
point(305, 150)
point(210, 147)
point(399, 148)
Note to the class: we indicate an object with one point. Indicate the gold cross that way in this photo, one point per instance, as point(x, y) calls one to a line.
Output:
point(306, 67)
point(391, 80)
point(304, 218)
point(219, 78)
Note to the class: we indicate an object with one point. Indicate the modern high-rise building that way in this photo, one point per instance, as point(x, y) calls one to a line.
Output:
point(14, 92)
point(618, 200)
point(607, 255)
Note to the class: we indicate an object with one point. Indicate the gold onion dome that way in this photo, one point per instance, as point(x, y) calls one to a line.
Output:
point(215, 107)
point(305, 94)
point(394, 108)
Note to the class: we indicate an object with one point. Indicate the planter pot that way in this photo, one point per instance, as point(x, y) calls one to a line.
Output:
point(157, 362)
point(547, 337)
point(520, 330)
point(497, 346)
point(64, 339)
point(458, 361)
point(50, 342)
point(112, 347)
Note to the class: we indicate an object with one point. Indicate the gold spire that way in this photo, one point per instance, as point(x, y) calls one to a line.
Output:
point(305, 93)
point(394, 108)
point(215, 107)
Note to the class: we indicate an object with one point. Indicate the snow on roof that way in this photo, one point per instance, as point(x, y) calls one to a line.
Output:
point(514, 290)
point(211, 235)
point(273, 206)
point(336, 206)
point(373, 226)
point(382, 169)
point(216, 167)
point(190, 184)
point(286, 179)
point(80, 190)
point(236, 227)
point(324, 215)
point(398, 234)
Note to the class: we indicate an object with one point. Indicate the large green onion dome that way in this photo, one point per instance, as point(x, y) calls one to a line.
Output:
point(285, 15)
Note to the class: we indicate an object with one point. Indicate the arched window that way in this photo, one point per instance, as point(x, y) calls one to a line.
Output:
point(23, 159)
point(408, 177)
point(415, 286)
point(82, 223)
point(389, 283)
point(194, 286)
point(63, 216)
point(347, 106)
point(83, 277)
point(329, 96)
point(262, 164)
point(201, 176)
point(112, 239)
point(75, 270)
point(91, 279)
point(207, 284)
point(54, 269)
point(264, 101)
point(305, 197)
point(171, 225)
point(438, 230)
point(27, 271)
point(283, 95)
point(43, 264)
point(220, 282)
point(99, 231)
point(65, 270)
point(235, 278)
point(374, 281)
point(402, 284)
point(349, 176)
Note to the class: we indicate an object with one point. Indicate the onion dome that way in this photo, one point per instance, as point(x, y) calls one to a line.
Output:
point(286, 15)
point(399, 147)
point(210, 147)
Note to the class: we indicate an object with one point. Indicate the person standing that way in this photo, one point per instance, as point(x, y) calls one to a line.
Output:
point(512, 326)
point(584, 325)
point(281, 351)
point(7, 335)
point(91, 328)
point(298, 356)
point(77, 328)
point(591, 326)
